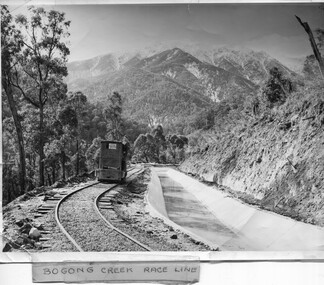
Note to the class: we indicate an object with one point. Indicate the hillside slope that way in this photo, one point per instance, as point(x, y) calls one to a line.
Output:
point(276, 162)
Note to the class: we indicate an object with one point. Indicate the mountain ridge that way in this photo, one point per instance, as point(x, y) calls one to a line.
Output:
point(172, 72)
point(236, 61)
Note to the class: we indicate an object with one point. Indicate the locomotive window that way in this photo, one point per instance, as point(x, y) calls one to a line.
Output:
point(112, 146)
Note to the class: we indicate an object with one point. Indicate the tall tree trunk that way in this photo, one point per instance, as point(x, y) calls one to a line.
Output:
point(53, 172)
point(63, 164)
point(41, 146)
point(21, 148)
point(49, 178)
point(316, 52)
point(13, 188)
point(77, 158)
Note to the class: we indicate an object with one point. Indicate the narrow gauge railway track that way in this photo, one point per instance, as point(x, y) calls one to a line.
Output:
point(103, 201)
point(79, 218)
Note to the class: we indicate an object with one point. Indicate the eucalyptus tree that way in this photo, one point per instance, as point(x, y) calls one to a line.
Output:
point(159, 139)
point(11, 44)
point(77, 101)
point(68, 118)
point(175, 146)
point(113, 116)
point(145, 148)
point(41, 63)
point(277, 88)
point(92, 154)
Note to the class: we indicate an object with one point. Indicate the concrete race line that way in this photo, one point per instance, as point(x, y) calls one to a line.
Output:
point(85, 227)
point(185, 210)
point(220, 221)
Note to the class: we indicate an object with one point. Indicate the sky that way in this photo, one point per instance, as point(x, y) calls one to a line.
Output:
point(273, 28)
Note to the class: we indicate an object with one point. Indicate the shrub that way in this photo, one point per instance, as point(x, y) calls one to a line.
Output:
point(277, 88)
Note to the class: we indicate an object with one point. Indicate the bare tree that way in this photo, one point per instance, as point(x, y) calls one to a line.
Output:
point(316, 51)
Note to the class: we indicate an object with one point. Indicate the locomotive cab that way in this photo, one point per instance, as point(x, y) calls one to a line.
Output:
point(112, 161)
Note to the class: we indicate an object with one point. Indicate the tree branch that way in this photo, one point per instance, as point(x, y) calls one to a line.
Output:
point(29, 75)
point(51, 48)
point(45, 98)
point(27, 45)
point(37, 53)
point(25, 96)
point(316, 52)
point(22, 91)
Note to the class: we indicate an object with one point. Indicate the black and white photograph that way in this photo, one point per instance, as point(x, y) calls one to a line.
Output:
point(162, 127)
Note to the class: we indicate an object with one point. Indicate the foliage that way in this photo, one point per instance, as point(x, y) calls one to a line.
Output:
point(92, 154)
point(11, 41)
point(11, 44)
point(145, 148)
point(132, 129)
point(41, 65)
point(176, 148)
point(177, 141)
point(113, 116)
point(277, 88)
point(68, 117)
point(156, 147)
point(42, 61)
point(77, 101)
point(311, 68)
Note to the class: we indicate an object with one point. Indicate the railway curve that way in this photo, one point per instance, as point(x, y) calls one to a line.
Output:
point(80, 220)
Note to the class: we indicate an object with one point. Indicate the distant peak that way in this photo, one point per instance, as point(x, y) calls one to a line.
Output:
point(178, 52)
point(177, 49)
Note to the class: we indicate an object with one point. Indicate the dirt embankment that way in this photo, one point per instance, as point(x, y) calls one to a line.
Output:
point(276, 163)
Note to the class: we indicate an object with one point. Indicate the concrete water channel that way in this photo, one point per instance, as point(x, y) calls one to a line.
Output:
point(185, 210)
point(222, 222)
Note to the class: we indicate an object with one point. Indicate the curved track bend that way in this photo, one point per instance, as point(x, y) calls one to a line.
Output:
point(79, 218)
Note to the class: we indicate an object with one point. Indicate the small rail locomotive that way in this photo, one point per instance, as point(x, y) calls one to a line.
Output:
point(112, 161)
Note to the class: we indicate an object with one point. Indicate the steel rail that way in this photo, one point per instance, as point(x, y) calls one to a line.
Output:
point(71, 239)
point(57, 217)
point(96, 206)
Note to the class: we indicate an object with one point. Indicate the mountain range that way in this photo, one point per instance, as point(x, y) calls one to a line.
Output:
point(173, 83)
